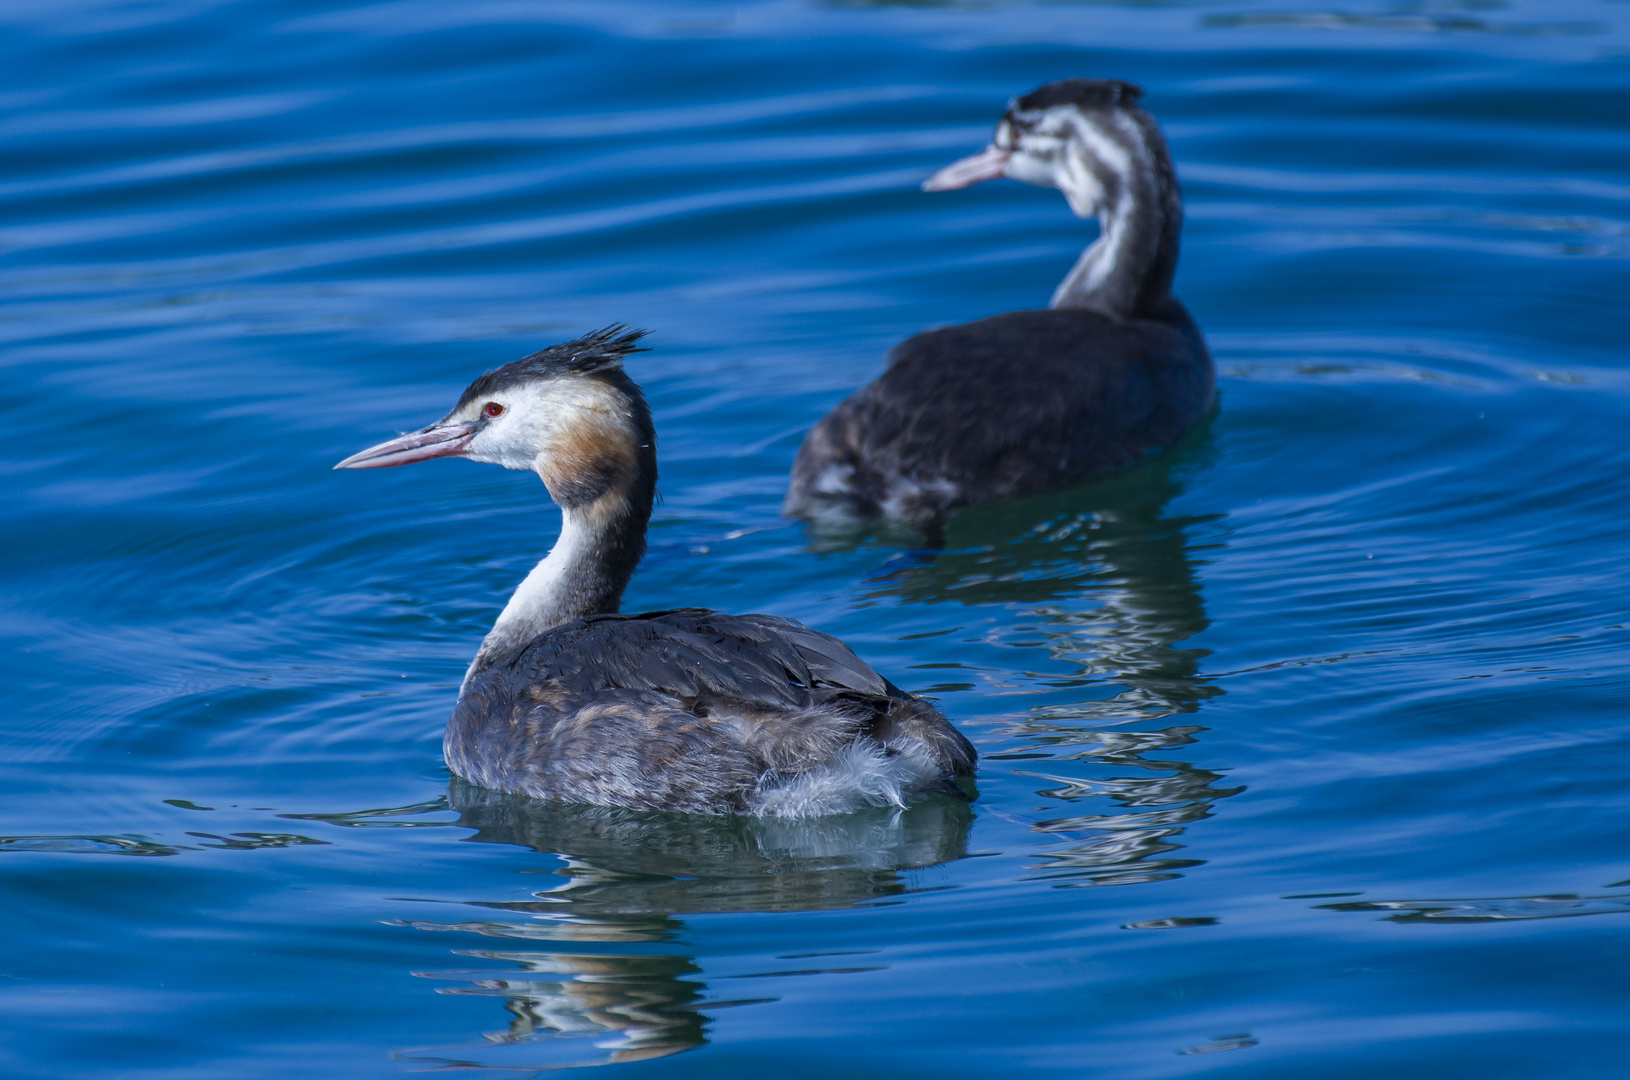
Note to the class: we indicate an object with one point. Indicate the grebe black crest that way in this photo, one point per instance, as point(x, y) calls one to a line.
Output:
point(689, 709)
point(1112, 370)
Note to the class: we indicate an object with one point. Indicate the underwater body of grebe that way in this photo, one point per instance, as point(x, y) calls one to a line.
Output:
point(1301, 744)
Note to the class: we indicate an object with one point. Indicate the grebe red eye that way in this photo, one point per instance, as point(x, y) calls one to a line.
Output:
point(494, 409)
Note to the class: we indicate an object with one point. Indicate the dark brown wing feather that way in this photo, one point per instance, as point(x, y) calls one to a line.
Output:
point(1002, 405)
point(695, 652)
point(680, 710)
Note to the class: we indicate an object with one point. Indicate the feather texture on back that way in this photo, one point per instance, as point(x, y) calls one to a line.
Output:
point(697, 710)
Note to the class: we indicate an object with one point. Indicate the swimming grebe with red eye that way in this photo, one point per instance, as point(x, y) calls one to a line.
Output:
point(689, 709)
point(1113, 370)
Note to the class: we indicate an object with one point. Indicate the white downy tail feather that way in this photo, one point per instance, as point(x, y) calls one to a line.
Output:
point(861, 774)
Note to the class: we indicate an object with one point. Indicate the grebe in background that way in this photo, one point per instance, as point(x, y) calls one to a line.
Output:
point(688, 709)
point(1114, 369)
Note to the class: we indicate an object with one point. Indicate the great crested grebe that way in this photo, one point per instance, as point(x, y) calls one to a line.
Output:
point(1112, 370)
point(688, 709)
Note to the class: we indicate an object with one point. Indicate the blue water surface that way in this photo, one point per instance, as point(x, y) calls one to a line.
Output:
point(1304, 746)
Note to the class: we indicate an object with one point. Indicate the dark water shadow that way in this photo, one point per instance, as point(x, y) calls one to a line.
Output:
point(1496, 909)
point(610, 984)
point(1107, 581)
point(88, 845)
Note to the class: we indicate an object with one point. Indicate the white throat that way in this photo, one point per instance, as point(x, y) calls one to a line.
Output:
point(1090, 152)
point(1098, 261)
point(543, 599)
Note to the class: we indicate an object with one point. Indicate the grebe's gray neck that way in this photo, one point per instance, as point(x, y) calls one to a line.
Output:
point(1117, 167)
point(583, 574)
point(602, 472)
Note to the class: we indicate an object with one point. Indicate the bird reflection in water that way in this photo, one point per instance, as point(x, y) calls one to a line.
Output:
point(1108, 581)
point(627, 876)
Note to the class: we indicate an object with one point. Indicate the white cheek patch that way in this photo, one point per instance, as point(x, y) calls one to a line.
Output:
point(537, 417)
point(1068, 154)
point(1035, 161)
point(1080, 183)
point(1082, 190)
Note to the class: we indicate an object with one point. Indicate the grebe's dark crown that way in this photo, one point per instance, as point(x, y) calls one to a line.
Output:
point(1080, 92)
point(593, 353)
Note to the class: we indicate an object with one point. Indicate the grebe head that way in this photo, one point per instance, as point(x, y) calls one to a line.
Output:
point(571, 414)
point(568, 412)
point(1090, 139)
point(1082, 136)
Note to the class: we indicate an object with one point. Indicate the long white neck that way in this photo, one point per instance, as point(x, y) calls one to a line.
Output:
point(584, 574)
point(1083, 286)
point(1120, 172)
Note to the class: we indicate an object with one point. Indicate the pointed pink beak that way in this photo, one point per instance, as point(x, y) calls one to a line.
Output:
point(988, 164)
point(437, 440)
